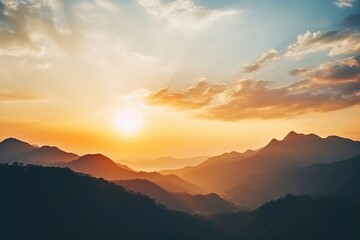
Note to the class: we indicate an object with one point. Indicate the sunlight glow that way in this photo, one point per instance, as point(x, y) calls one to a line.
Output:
point(129, 122)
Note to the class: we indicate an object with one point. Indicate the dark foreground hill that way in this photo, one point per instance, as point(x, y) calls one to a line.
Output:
point(54, 203)
point(296, 218)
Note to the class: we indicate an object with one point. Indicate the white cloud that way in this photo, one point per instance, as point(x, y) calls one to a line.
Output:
point(344, 3)
point(185, 14)
point(334, 41)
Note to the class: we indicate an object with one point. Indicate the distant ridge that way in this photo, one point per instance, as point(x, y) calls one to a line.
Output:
point(14, 150)
point(99, 165)
point(294, 150)
point(12, 147)
point(339, 179)
point(210, 203)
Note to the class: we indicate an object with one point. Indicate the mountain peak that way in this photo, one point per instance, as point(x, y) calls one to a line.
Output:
point(50, 147)
point(293, 135)
point(12, 140)
point(296, 136)
point(97, 156)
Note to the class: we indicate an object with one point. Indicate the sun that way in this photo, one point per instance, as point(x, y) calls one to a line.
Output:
point(129, 122)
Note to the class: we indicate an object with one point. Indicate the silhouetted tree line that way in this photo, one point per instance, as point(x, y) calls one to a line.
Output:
point(55, 203)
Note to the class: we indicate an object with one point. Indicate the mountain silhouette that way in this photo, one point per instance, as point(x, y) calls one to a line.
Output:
point(99, 165)
point(224, 158)
point(47, 155)
point(162, 163)
point(10, 148)
point(209, 203)
point(295, 150)
point(337, 179)
point(56, 203)
point(14, 150)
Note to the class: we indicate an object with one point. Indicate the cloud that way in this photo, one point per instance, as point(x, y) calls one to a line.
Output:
point(335, 42)
point(184, 14)
point(22, 23)
point(269, 56)
point(200, 95)
point(342, 70)
point(30, 27)
point(344, 3)
point(328, 87)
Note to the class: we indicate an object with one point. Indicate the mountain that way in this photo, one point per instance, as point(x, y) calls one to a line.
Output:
point(220, 159)
point(56, 203)
point(125, 167)
point(338, 179)
point(162, 163)
point(98, 165)
point(179, 201)
point(11, 148)
point(101, 166)
point(295, 150)
point(14, 150)
point(46, 155)
point(295, 218)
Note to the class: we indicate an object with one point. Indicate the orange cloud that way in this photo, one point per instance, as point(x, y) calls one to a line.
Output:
point(324, 88)
point(200, 95)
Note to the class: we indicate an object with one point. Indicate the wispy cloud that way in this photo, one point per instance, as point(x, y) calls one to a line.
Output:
point(185, 14)
point(24, 23)
point(265, 58)
point(344, 3)
point(324, 88)
point(332, 42)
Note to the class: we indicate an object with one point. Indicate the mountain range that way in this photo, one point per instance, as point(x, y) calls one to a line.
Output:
point(297, 164)
point(162, 163)
point(14, 150)
point(210, 203)
point(295, 150)
point(337, 179)
point(98, 165)
point(56, 203)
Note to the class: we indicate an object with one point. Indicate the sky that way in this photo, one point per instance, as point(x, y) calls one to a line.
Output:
point(182, 78)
